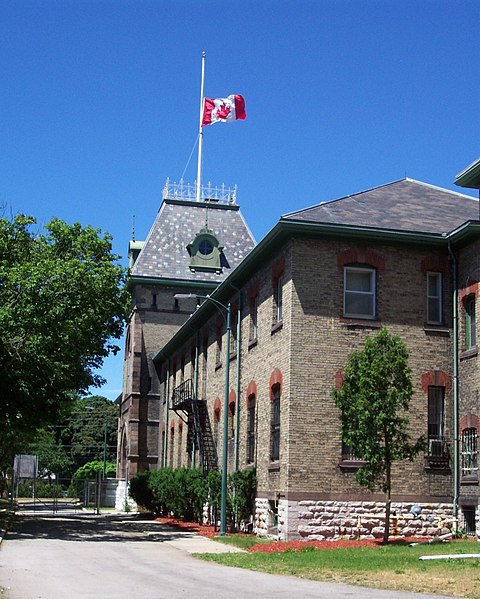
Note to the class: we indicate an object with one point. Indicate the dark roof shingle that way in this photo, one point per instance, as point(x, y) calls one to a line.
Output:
point(164, 254)
point(405, 205)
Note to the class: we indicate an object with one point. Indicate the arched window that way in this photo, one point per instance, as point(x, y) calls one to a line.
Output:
point(469, 452)
point(470, 323)
point(251, 429)
point(275, 424)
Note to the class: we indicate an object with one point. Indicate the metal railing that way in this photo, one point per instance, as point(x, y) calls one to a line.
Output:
point(208, 192)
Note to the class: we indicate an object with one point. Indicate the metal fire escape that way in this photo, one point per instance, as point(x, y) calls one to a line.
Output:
point(184, 400)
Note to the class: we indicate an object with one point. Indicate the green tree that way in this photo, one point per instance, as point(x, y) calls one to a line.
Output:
point(62, 306)
point(78, 438)
point(373, 401)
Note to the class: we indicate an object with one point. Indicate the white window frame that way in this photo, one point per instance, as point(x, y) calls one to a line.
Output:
point(279, 298)
point(437, 297)
point(372, 292)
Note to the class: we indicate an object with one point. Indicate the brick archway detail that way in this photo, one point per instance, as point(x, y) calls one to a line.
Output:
point(361, 255)
point(471, 289)
point(276, 378)
point(435, 264)
point(436, 378)
point(469, 421)
point(232, 400)
point(251, 390)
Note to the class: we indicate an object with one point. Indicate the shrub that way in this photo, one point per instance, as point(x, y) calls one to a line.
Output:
point(242, 487)
point(183, 492)
point(140, 491)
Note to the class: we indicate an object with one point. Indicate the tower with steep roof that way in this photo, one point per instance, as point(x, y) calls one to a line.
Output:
point(191, 247)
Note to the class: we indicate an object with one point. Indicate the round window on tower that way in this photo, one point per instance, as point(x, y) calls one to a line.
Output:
point(205, 247)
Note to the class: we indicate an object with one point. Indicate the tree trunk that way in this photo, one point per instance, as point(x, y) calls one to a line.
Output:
point(388, 501)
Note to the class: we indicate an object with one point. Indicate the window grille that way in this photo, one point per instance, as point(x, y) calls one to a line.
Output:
point(469, 451)
point(275, 452)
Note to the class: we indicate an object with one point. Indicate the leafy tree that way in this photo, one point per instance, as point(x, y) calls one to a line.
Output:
point(79, 437)
point(90, 470)
point(373, 401)
point(62, 305)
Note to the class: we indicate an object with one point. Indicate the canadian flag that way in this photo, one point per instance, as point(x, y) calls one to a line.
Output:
point(223, 110)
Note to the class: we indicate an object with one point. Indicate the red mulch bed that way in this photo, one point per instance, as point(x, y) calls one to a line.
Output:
point(280, 546)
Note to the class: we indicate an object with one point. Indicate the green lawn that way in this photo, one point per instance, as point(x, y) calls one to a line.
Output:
point(392, 566)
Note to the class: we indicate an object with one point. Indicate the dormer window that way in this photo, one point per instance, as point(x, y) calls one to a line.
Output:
point(205, 252)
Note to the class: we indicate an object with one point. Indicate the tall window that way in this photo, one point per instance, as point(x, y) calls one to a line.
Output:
point(469, 452)
point(233, 330)
point(219, 345)
point(172, 439)
point(470, 324)
point(231, 419)
point(359, 292)
point(436, 407)
point(254, 317)
point(216, 428)
point(275, 427)
point(434, 297)
point(179, 444)
point(204, 369)
point(278, 299)
point(251, 430)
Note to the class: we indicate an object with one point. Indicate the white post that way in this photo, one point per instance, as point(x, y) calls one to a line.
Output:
point(200, 133)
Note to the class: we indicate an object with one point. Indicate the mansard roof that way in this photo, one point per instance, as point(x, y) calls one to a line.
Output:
point(405, 205)
point(164, 254)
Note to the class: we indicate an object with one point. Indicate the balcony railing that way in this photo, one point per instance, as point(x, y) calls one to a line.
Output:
point(182, 395)
point(208, 192)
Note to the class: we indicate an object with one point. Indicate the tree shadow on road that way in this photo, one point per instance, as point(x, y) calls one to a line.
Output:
point(92, 528)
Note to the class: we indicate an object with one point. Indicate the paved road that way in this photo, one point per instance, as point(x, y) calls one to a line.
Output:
point(72, 555)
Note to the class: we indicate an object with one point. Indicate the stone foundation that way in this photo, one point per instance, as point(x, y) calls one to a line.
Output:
point(332, 520)
point(123, 502)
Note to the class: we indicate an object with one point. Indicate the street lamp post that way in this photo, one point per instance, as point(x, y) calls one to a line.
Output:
point(226, 312)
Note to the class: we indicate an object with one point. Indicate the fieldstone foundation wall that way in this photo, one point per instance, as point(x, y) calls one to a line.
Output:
point(323, 520)
point(338, 519)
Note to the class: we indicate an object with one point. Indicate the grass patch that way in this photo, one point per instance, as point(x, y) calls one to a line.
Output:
point(388, 567)
point(242, 541)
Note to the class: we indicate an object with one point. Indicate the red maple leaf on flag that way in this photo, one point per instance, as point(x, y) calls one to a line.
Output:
point(223, 111)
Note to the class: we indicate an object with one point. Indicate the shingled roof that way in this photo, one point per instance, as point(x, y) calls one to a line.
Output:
point(164, 253)
point(405, 205)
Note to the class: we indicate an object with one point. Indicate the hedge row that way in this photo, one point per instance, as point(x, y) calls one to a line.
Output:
point(184, 492)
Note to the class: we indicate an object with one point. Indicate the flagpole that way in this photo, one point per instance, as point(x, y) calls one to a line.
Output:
point(200, 132)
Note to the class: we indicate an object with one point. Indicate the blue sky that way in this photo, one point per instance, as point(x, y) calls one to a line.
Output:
point(99, 104)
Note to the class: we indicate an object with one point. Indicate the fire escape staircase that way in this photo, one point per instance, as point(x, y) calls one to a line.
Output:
point(184, 400)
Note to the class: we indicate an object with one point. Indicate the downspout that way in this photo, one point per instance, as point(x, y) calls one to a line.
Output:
point(237, 415)
point(167, 408)
point(456, 472)
point(195, 389)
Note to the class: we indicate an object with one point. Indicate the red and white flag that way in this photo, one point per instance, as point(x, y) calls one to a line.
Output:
point(223, 110)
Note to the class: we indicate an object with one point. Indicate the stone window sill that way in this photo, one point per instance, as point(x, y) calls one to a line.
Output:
point(252, 343)
point(277, 326)
point(436, 328)
point(469, 479)
point(218, 365)
point(469, 353)
point(274, 467)
point(369, 323)
point(351, 465)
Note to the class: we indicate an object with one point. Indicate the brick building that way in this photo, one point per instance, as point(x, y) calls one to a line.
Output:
point(403, 256)
point(192, 246)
